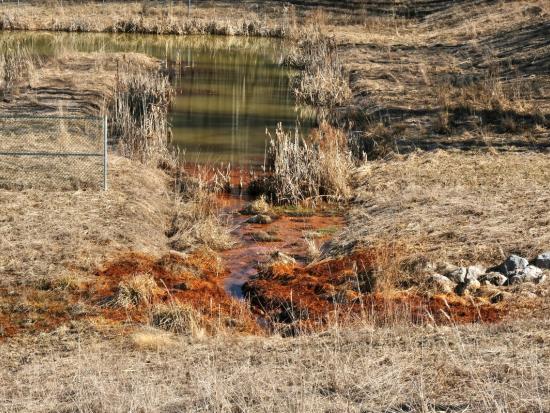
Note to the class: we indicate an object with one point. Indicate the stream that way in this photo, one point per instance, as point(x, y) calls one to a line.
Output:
point(229, 92)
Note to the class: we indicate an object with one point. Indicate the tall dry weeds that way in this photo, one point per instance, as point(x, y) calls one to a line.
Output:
point(323, 82)
point(307, 169)
point(16, 64)
point(139, 123)
point(197, 221)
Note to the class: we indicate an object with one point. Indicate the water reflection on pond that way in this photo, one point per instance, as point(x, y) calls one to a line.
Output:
point(229, 89)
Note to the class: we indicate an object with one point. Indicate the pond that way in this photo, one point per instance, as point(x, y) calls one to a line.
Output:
point(229, 90)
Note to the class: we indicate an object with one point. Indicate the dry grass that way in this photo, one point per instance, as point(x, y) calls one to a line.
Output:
point(46, 232)
point(152, 339)
point(303, 170)
point(16, 65)
point(61, 83)
point(141, 17)
point(177, 318)
point(139, 289)
point(470, 75)
point(197, 221)
point(49, 230)
point(478, 368)
point(323, 83)
point(460, 207)
point(139, 123)
point(456, 207)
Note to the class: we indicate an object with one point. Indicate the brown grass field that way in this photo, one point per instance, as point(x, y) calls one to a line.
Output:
point(435, 139)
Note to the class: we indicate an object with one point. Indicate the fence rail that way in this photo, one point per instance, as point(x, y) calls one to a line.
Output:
point(55, 152)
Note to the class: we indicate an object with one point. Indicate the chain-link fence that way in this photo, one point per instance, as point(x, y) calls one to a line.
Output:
point(53, 152)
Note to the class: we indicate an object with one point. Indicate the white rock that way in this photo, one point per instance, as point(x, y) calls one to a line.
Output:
point(531, 273)
point(474, 272)
point(445, 268)
point(494, 278)
point(442, 283)
point(512, 265)
point(458, 275)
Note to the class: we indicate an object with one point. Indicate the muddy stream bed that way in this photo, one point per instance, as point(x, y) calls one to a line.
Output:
point(287, 233)
point(229, 92)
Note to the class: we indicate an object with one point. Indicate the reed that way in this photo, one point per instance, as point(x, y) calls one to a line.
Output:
point(323, 81)
point(306, 170)
point(16, 65)
point(139, 124)
point(139, 17)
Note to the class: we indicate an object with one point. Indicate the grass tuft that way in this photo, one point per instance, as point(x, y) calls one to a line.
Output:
point(177, 318)
point(140, 116)
point(307, 170)
point(152, 339)
point(138, 290)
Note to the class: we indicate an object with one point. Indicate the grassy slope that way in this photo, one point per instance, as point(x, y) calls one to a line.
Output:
point(462, 208)
point(472, 81)
point(471, 77)
point(50, 232)
point(473, 368)
point(489, 368)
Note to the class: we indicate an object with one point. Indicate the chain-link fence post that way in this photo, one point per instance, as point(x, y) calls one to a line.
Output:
point(105, 152)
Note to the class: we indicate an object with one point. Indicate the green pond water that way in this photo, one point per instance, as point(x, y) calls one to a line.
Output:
point(229, 90)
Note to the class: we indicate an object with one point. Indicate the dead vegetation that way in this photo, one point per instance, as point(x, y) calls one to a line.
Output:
point(60, 232)
point(458, 78)
point(176, 318)
point(323, 82)
point(54, 239)
point(179, 293)
point(144, 18)
point(460, 208)
point(312, 170)
point(16, 65)
point(501, 367)
point(139, 123)
point(413, 215)
point(469, 76)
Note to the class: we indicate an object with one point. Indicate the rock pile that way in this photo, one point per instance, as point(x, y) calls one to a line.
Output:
point(514, 270)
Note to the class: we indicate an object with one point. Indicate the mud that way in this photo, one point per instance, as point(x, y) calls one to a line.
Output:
point(193, 280)
point(287, 234)
point(336, 290)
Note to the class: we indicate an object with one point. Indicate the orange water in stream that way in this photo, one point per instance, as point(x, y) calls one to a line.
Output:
point(242, 260)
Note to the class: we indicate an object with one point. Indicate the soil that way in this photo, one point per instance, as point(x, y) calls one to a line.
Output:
point(286, 233)
point(310, 297)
